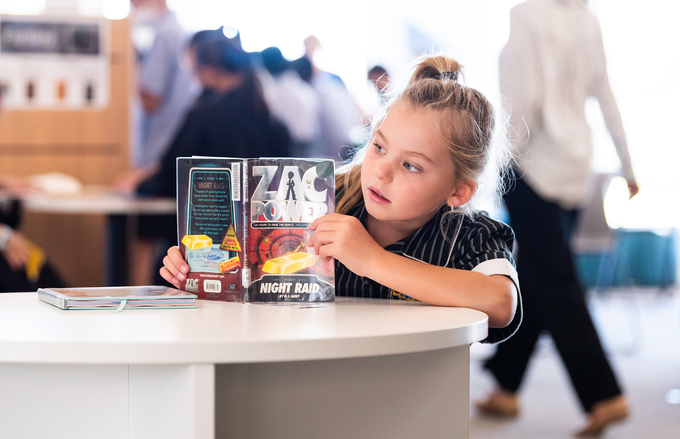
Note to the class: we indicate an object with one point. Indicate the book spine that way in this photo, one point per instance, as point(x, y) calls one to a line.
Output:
point(180, 233)
point(246, 217)
point(51, 299)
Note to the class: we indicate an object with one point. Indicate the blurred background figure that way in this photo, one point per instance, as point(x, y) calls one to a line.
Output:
point(198, 41)
point(229, 119)
point(293, 101)
point(375, 92)
point(340, 114)
point(380, 78)
point(165, 87)
point(165, 95)
point(312, 48)
point(23, 265)
point(553, 61)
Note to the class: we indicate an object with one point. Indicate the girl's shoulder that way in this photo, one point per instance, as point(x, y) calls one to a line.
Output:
point(480, 226)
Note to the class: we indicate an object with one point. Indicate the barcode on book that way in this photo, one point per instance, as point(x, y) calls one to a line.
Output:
point(212, 286)
point(236, 181)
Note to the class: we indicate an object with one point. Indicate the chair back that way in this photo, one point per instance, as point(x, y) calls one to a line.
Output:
point(593, 234)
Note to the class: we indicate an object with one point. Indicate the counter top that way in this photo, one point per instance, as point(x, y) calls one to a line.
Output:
point(32, 331)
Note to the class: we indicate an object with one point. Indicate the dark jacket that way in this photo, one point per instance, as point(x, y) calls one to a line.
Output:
point(220, 126)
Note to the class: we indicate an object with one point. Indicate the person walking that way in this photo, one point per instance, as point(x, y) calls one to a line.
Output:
point(553, 61)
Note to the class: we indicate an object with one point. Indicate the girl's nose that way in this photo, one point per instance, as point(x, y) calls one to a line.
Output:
point(383, 170)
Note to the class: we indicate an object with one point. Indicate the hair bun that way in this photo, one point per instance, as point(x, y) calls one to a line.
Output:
point(436, 67)
point(448, 76)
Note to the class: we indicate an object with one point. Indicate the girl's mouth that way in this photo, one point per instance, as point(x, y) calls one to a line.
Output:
point(376, 196)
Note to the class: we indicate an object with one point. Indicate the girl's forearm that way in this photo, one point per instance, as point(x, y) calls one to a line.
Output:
point(496, 296)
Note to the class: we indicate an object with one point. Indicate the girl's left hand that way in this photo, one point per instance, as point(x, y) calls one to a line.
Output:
point(344, 238)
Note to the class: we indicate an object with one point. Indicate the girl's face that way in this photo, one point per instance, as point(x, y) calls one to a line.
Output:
point(408, 174)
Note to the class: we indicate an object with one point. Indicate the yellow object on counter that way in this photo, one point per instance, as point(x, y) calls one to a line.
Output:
point(290, 263)
point(194, 242)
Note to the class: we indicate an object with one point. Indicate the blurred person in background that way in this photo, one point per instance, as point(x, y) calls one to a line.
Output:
point(23, 265)
point(231, 119)
point(207, 95)
point(165, 93)
point(293, 101)
point(235, 122)
point(165, 90)
point(553, 61)
point(381, 79)
point(312, 48)
point(341, 116)
point(374, 95)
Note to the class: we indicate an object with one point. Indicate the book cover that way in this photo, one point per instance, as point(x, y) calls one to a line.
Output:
point(242, 226)
point(285, 196)
point(211, 226)
point(141, 297)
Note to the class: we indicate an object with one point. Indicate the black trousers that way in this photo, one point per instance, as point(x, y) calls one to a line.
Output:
point(553, 301)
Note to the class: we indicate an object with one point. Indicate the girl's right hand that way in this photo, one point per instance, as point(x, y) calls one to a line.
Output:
point(174, 268)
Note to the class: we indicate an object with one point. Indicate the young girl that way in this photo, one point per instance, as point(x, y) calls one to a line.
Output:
point(404, 199)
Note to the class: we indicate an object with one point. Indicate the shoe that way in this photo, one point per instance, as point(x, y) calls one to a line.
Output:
point(500, 403)
point(603, 414)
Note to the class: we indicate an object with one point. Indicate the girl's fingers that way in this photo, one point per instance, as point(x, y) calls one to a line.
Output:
point(328, 218)
point(167, 263)
point(174, 267)
point(320, 239)
point(326, 253)
point(175, 271)
point(177, 260)
point(165, 274)
point(322, 229)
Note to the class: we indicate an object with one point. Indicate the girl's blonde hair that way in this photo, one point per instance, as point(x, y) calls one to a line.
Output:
point(466, 126)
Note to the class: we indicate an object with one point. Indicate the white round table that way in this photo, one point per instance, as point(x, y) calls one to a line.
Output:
point(356, 368)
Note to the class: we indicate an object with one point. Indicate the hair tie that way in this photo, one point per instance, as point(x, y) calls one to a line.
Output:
point(451, 76)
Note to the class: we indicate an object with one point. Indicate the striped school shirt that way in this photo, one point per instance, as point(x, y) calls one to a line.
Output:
point(482, 245)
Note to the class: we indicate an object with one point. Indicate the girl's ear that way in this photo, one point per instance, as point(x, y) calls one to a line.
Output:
point(461, 194)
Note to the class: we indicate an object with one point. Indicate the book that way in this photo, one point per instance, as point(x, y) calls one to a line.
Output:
point(242, 228)
point(117, 298)
point(211, 226)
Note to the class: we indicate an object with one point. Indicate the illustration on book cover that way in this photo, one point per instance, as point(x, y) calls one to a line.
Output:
point(211, 219)
point(286, 195)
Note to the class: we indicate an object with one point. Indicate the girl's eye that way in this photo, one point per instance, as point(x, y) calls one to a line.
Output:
point(411, 167)
point(379, 148)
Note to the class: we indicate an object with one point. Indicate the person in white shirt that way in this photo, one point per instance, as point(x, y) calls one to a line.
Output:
point(553, 61)
point(341, 118)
